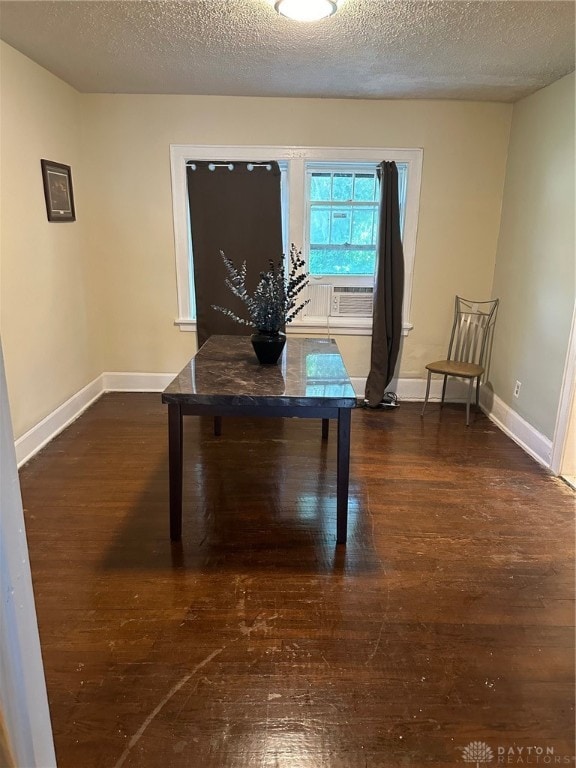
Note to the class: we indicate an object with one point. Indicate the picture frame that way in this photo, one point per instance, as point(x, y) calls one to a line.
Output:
point(57, 180)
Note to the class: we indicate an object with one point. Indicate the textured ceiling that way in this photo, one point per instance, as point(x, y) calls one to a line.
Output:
point(494, 50)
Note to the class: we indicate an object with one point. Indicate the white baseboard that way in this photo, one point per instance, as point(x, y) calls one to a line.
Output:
point(135, 382)
point(41, 434)
point(413, 390)
point(512, 424)
point(527, 437)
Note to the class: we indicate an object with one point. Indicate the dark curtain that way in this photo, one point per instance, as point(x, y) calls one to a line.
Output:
point(234, 208)
point(389, 288)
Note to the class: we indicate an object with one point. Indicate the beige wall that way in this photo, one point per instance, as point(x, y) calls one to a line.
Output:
point(127, 162)
point(45, 298)
point(535, 269)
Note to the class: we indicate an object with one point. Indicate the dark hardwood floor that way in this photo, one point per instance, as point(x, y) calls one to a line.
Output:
point(448, 618)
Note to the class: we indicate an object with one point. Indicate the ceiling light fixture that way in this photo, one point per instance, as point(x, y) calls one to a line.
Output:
point(306, 10)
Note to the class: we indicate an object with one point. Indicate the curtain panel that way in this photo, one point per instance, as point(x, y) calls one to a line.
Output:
point(389, 289)
point(235, 207)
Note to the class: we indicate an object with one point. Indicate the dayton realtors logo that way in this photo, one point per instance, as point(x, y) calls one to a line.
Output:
point(477, 752)
point(481, 754)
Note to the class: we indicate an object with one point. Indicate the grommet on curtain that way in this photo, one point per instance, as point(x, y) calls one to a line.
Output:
point(212, 166)
point(251, 166)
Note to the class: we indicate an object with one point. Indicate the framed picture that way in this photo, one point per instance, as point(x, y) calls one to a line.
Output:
point(57, 180)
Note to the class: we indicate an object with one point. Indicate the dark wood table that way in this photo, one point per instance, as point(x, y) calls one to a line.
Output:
point(224, 379)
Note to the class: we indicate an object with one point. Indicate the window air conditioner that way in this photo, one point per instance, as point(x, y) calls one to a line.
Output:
point(352, 301)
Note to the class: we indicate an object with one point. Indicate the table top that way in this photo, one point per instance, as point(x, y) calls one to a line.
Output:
point(225, 371)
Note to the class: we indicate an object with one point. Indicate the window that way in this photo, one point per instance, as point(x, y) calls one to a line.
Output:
point(342, 214)
point(342, 220)
point(330, 200)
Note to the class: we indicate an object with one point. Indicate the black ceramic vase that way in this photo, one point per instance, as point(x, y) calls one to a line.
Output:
point(268, 347)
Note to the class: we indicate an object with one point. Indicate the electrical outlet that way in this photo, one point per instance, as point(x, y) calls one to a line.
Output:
point(517, 389)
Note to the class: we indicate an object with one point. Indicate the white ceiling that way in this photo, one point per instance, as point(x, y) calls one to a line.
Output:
point(494, 50)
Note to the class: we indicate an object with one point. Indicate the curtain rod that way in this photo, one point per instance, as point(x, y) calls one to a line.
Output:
point(230, 166)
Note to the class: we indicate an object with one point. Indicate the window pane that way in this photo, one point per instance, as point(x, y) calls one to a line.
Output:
point(319, 224)
point(363, 226)
point(365, 187)
point(342, 186)
point(320, 186)
point(347, 261)
point(341, 221)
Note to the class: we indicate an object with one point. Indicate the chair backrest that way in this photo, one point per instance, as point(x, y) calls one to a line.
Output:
point(473, 324)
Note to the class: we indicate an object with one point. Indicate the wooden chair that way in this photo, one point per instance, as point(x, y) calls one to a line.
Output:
point(471, 332)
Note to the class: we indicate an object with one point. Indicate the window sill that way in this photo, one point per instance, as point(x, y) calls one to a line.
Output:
point(344, 326)
point(186, 324)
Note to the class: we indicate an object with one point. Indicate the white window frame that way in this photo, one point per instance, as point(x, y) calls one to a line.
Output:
point(293, 160)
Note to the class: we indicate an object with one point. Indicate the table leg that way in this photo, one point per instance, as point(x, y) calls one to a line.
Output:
point(175, 470)
point(325, 428)
point(342, 474)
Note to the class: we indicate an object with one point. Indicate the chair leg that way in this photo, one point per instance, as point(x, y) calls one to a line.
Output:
point(470, 385)
point(427, 393)
point(443, 391)
point(217, 426)
point(478, 393)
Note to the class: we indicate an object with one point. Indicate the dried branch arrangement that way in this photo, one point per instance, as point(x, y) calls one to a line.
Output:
point(273, 304)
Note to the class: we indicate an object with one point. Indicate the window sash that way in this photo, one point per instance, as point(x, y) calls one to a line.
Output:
point(339, 237)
